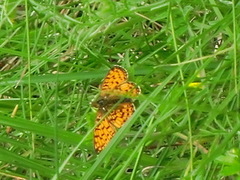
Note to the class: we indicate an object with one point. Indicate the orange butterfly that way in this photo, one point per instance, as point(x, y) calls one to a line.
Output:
point(114, 105)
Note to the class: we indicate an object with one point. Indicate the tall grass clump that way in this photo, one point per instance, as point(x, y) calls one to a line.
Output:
point(184, 55)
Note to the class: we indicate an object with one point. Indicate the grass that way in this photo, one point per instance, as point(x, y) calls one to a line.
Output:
point(183, 55)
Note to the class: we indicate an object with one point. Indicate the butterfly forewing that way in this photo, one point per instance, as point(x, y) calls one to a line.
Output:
point(116, 76)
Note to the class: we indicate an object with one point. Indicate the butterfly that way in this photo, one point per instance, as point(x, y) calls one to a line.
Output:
point(115, 105)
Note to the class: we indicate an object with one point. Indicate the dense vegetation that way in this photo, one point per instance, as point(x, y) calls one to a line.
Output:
point(183, 54)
